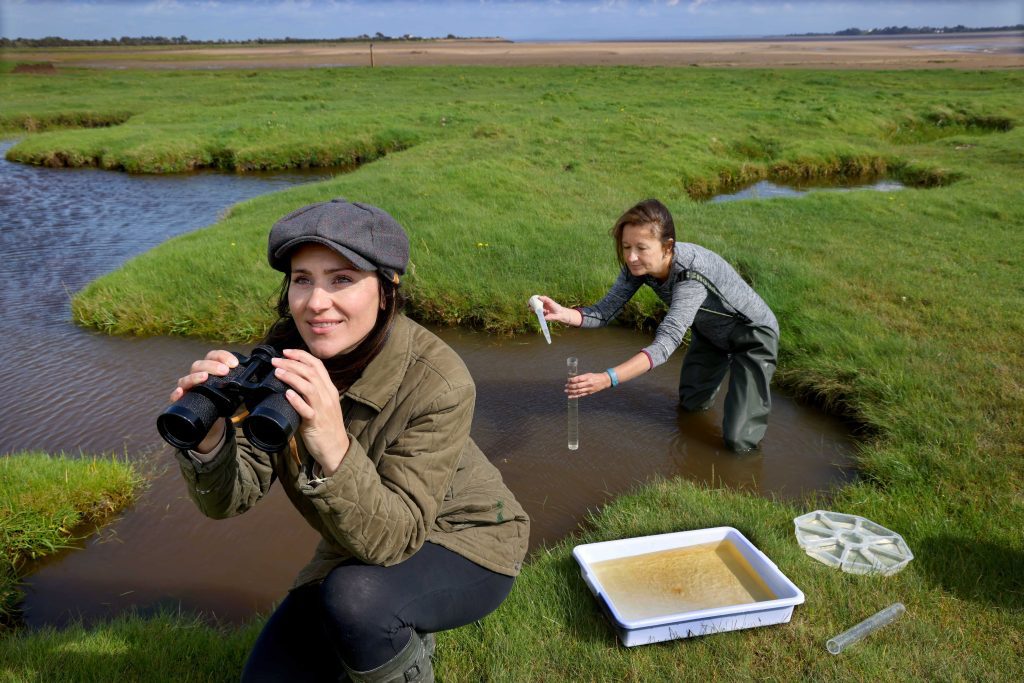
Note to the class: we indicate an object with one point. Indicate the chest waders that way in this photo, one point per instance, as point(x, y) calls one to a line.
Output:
point(750, 361)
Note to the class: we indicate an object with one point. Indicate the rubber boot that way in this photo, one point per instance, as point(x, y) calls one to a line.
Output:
point(411, 665)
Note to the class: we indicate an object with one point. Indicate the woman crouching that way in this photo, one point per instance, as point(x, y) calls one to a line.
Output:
point(418, 532)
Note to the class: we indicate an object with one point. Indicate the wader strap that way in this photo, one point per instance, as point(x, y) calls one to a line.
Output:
point(687, 274)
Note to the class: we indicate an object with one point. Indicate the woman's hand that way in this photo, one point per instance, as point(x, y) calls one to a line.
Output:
point(315, 399)
point(556, 312)
point(585, 385)
point(218, 363)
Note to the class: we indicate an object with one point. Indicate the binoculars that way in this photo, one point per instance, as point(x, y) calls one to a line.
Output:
point(268, 426)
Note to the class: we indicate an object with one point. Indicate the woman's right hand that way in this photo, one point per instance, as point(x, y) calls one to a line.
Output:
point(556, 312)
point(218, 363)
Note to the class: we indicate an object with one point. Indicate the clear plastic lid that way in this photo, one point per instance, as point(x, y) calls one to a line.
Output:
point(854, 544)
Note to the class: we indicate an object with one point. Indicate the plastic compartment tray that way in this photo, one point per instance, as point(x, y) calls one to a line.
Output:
point(852, 543)
point(697, 622)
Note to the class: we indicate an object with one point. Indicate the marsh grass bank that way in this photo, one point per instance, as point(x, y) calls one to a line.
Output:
point(899, 310)
point(513, 172)
point(45, 503)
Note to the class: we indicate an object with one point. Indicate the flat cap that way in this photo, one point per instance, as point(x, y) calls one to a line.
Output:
point(367, 236)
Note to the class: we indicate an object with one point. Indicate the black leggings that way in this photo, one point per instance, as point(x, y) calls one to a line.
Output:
point(365, 614)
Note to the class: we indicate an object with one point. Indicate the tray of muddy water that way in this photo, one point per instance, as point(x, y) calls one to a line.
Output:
point(684, 584)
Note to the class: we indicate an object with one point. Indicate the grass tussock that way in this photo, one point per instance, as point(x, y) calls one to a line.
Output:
point(946, 121)
point(45, 500)
point(80, 119)
point(843, 168)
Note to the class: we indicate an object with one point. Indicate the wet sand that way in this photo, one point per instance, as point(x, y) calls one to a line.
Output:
point(957, 51)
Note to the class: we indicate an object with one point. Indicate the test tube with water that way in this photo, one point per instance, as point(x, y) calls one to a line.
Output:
point(877, 620)
point(574, 415)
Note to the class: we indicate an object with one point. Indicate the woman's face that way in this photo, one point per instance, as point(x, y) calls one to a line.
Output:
point(334, 305)
point(643, 252)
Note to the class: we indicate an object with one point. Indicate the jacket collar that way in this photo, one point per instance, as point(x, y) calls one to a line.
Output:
point(380, 380)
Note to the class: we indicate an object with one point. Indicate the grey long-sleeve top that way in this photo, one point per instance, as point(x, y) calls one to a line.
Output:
point(712, 304)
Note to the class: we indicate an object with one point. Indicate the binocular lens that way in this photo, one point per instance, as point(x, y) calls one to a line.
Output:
point(271, 423)
point(183, 427)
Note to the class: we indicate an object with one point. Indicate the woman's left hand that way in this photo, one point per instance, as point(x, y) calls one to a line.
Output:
point(585, 385)
point(315, 399)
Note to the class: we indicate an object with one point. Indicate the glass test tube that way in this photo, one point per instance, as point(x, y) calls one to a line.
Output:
point(877, 620)
point(574, 415)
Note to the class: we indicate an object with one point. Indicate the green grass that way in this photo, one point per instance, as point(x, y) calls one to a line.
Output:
point(552, 617)
point(899, 310)
point(46, 501)
point(511, 172)
point(164, 647)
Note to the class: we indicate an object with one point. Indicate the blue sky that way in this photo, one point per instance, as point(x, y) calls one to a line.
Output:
point(514, 19)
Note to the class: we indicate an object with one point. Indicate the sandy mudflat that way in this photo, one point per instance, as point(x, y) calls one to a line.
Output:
point(959, 51)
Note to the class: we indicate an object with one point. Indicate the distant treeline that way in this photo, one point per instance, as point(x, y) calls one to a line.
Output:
point(903, 30)
point(57, 41)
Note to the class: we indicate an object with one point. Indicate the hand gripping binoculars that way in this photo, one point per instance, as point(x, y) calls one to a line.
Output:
point(268, 426)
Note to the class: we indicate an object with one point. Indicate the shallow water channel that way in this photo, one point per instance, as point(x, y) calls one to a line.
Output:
point(766, 189)
point(68, 389)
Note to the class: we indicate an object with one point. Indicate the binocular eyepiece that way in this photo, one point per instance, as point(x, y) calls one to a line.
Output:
point(268, 426)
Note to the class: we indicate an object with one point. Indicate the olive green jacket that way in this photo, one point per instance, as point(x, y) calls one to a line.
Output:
point(412, 473)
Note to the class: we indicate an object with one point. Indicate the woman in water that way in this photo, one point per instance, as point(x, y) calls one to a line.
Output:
point(418, 532)
point(731, 328)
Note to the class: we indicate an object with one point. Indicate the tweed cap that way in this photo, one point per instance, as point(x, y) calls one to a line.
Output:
point(367, 236)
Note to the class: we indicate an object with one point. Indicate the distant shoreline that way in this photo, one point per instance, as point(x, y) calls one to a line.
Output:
point(782, 38)
point(984, 50)
point(890, 33)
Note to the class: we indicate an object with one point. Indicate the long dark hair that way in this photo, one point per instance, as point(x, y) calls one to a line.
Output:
point(649, 212)
point(345, 368)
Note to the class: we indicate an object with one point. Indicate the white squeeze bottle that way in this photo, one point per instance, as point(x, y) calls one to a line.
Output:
point(538, 307)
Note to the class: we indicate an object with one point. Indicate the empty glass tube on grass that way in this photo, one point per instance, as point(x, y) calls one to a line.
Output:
point(574, 415)
point(877, 620)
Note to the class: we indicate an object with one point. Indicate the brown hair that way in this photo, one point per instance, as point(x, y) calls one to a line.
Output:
point(346, 368)
point(649, 212)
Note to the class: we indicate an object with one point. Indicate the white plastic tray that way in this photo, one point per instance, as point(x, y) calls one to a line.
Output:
point(697, 622)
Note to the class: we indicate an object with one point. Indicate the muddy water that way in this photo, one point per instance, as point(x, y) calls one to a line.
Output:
point(680, 580)
point(66, 389)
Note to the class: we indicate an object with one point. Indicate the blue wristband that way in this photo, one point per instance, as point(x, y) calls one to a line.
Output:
point(614, 377)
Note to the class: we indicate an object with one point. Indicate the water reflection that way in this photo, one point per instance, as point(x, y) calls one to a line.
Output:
point(66, 389)
point(766, 189)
